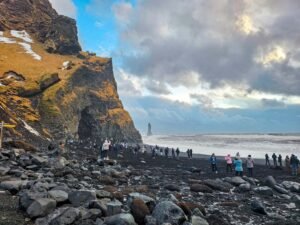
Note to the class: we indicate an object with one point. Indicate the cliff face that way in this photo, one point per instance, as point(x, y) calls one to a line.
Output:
point(57, 33)
point(48, 88)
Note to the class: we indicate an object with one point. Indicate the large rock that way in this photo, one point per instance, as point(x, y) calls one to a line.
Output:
point(264, 190)
point(27, 197)
point(218, 185)
point(235, 180)
point(41, 207)
point(292, 186)
point(270, 181)
point(280, 189)
point(197, 220)
point(245, 187)
point(258, 207)
point(4, 170)
point(168, 212)
point(66, 217)
point(200, 188)
point(172, 187)
point(139, 210)
point(13, 186)
point(78, 198)
point(120, 219)
point(114, 207)
point(58, 195)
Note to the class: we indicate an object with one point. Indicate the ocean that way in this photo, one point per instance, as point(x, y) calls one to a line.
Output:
point(256, 145)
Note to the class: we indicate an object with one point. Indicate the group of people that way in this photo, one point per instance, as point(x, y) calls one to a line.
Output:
point(189, 153)
point(235, 164)
point(291, 163)
point(156, 151)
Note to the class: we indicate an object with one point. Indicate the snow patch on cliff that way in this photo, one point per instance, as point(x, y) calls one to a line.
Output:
point(28, 50)
point(22, 34)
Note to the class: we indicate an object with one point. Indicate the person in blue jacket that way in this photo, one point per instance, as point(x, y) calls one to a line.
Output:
point(238, 166)
point(213, 163)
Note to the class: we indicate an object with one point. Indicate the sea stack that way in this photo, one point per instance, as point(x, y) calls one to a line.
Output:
point(149, 132)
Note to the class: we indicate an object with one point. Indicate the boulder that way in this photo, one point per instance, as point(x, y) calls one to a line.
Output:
point(264, 191)
point(139, 210)
point(236, 181)
point(200, 188)
point(103, 194)
point(168, 212)
point(41, 207)
point(78, 198)
point(270, 181)
point(120, 219)
point(172, 187)
point(280, 189)
point(100, 204)
point(92, 214)
point(58, 195)
point(27, 197)
point(296, 199)
point(67, 216)
point(114, 207)
point(197, 220)
point(13, 186)
point(245, 187)
point(218, 185)
point(258, 207)
point(4, 170)
point(146, 199)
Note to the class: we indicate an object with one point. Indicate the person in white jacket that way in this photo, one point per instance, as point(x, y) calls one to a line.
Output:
point(105, 148)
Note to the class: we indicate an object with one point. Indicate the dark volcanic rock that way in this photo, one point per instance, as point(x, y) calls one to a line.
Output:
point(258, 207)
point(218, 185)
point(41, 207)
point(120, 219)
point(172, 187)
point(168, 212)
point(201, 188)
point(270, 181)
point(78, 198)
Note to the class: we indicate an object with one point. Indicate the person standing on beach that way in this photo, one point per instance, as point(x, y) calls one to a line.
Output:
point(188, 153)
point(191, 153)
point(177, 153)
point(250, 165)
point(267, 160)
point(238, 166)
point(274, 156)
point(228, 163)
point(237, 155)
point(287, 164)
point(213, 163)
point(294, 165)
point(173, 153)
point(280, 160)
point(105, 148)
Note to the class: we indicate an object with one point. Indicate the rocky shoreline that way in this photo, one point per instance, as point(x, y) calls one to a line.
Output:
point(137, 189)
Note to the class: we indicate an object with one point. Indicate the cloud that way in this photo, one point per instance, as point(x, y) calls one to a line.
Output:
point(203, 100)
point(64, 7)
point(157, 87)
point(272, 103)
point(100, 8)
point(190, 42)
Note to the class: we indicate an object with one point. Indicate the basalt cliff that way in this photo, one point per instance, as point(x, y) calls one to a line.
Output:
point(49, 88)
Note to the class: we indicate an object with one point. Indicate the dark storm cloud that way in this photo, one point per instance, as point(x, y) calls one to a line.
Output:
point(184, 42)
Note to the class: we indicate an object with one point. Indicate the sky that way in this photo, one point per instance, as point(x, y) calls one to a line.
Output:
point(198, 66)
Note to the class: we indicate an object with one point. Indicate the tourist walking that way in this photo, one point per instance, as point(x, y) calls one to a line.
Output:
point(173, 153)
point(105, 148)
point(280, 160)
point(287, 164)
point(274, 157)
point(267, 160)
point(167, 152)
point(294, 165)
point(238, 166)
point(250, 165)
point(213, 163)
point(188, 153)
point(177, 152)
point(228, 163)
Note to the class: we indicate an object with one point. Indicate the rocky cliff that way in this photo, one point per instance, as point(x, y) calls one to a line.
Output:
point(48, 87)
